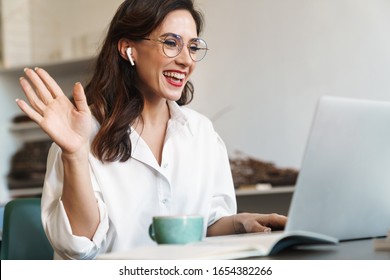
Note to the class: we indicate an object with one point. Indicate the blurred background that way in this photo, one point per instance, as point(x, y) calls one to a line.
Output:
point(269, 62)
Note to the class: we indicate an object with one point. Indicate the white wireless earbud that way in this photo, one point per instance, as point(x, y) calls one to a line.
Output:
point(128, 52)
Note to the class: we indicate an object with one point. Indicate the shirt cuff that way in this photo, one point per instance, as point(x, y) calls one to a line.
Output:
point(70, 246)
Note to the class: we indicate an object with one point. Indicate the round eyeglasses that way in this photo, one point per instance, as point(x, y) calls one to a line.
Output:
point(172, 45)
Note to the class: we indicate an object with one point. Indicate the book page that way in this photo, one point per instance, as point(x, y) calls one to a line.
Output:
point(219, 247)
point(183, 252)
point(235, 246)
point(262, 242)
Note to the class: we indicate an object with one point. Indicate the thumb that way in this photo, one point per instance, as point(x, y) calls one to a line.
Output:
point(259, 228)
point(79, 98)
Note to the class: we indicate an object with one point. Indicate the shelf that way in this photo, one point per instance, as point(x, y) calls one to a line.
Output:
point(28, 132)
point(24, 126)
point(262, 191)
point(25, 192)
point(81, 66)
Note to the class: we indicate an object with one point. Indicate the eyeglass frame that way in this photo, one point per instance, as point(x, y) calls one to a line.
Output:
point(162, 41)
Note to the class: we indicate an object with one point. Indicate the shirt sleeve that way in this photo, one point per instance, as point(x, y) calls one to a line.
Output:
point(55, 220)
point(223, 202)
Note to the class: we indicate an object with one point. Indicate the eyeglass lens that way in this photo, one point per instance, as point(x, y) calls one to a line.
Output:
point(173, 44)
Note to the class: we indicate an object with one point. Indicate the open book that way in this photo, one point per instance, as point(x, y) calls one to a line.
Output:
point(236, 246)
point(382, 244)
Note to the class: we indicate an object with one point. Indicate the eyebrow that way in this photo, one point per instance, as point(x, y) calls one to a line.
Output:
point(171, 33)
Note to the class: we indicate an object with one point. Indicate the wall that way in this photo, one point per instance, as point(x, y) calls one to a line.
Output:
point(78, 31)
point(7, 143)
point(270, 60)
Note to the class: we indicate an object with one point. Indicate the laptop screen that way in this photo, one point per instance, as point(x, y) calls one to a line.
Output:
point(343, 188)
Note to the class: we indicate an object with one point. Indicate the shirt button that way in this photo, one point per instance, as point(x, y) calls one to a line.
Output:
point(164, 201)
point(165, 165)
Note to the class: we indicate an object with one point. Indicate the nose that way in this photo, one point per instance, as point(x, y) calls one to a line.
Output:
point(184, 57)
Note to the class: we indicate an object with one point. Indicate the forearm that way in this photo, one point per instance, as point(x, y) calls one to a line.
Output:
point(247, 222)
point(225, 225)
point(78, 196)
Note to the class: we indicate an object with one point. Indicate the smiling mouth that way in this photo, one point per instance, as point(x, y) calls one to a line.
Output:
point(174, 76)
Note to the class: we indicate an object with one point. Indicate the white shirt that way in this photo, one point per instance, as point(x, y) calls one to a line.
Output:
point(194, 178)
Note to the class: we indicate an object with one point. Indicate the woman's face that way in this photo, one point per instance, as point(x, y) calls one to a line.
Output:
point(161, 76)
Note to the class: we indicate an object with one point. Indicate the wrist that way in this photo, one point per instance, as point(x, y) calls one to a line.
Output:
point(75, 157)
point(238, 225)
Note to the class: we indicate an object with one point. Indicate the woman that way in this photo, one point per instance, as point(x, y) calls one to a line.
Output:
point(126, 150)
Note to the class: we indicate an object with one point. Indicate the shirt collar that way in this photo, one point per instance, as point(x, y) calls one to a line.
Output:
point(178, 115)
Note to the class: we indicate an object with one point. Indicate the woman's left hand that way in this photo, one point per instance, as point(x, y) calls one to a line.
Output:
point(251, 222)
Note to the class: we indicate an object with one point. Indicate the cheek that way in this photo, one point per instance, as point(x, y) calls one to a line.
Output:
point(192, 68)
point(149, 69)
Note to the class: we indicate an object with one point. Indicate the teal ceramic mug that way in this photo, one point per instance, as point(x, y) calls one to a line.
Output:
point(176, 229)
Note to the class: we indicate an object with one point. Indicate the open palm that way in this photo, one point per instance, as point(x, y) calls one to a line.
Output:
point(67, 125)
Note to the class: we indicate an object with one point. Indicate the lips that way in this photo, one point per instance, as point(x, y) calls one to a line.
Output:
point(174, 78)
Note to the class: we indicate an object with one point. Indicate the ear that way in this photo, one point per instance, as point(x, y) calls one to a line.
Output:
point(123, 45)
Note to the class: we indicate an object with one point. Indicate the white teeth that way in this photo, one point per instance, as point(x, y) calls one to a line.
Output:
point(175, 75)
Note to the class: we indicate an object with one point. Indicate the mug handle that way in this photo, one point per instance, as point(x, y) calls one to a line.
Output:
point(151, 232)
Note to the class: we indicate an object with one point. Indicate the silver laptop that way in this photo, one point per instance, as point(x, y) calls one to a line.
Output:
point(343, 187)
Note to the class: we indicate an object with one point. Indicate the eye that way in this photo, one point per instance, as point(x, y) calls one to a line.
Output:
point(197, 45)
point(170, 43)
point(194, 48)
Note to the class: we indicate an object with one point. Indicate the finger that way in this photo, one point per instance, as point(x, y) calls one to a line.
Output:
point(275, 220)
point(31, 113)
point(79, 97)
point(51, 84)
point(41, 88)
point(31, 95)
point(257, 227)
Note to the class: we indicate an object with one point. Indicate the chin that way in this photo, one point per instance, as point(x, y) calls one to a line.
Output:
point(173, 96)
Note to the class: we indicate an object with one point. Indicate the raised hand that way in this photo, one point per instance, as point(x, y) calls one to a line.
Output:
point(67, 125)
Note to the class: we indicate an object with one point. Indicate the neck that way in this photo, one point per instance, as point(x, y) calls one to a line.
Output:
point(152, 126)
point(155, 113)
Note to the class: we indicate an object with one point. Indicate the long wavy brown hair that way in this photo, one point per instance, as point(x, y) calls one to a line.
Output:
point(112, 94)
